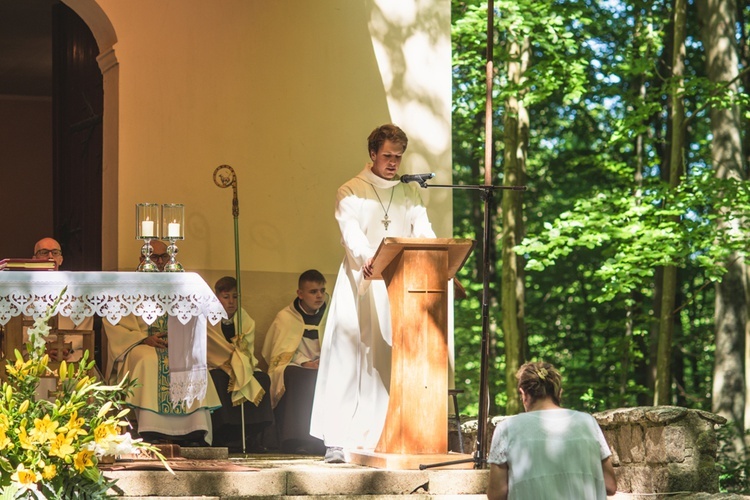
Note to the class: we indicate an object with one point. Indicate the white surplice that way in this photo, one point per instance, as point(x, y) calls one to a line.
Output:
point(351, 395)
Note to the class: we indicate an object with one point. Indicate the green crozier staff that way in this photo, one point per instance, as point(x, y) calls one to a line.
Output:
point(224, 177)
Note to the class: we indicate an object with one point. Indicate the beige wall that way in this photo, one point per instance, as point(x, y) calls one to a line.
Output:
point(25, 167)
point(286, 93)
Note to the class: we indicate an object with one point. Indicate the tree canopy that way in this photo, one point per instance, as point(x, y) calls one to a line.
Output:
point(636, 170)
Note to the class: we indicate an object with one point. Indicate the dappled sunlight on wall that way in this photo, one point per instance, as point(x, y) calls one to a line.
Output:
point(412, 44)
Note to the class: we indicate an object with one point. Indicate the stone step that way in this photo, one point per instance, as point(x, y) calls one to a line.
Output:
point(328, 497)
point(309, 478)
point(292, 476)
point(318, 481)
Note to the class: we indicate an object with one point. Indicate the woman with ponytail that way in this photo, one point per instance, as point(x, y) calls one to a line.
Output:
point(548, 452)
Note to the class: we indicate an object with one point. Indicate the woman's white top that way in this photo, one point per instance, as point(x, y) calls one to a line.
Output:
point(551, 454)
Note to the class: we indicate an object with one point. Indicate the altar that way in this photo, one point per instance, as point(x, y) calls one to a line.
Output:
point(184, 297)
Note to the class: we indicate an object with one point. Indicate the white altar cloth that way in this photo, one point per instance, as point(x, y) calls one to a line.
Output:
point(185, 297)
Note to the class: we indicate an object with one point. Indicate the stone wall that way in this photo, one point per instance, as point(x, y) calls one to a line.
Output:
point(661, 449)
point(655, 449)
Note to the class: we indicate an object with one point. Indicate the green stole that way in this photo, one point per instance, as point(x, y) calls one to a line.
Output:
point(163, 381)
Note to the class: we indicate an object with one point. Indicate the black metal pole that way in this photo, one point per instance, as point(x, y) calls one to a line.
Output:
point(484, 398)
point(488, 195)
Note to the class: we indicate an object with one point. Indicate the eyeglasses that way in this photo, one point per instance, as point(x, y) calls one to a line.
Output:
point(46, 253)
point(159, 256)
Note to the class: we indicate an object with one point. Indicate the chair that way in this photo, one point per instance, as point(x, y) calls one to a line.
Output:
point(13, 337)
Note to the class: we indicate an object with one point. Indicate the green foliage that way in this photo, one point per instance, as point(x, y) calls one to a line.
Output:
point(638, 234)
point(50, 449)
point(600, 221)
point(734, 473)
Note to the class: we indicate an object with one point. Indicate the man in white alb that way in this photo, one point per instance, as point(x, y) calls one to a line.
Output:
point(352, 390)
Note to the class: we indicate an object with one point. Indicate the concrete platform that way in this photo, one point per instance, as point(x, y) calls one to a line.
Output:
point(294, 476)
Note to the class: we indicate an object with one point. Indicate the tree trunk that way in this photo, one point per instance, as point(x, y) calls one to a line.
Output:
point(669, 288)
point(743, 51)
point(516, 145)
point(731, 311)
point(633, 309)
point(661, 144)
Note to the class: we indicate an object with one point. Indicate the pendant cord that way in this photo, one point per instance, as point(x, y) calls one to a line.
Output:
point(385, 210)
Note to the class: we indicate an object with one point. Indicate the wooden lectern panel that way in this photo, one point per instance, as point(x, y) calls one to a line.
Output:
point(12, 339)
point(419, 367)
point(416, 273)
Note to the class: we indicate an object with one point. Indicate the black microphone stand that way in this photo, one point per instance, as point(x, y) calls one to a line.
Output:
point(487, 193)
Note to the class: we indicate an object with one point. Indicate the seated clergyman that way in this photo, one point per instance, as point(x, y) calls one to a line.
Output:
point(141, 350)
point(71, 348)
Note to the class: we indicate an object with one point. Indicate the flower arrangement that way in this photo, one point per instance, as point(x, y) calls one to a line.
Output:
point(51, 449)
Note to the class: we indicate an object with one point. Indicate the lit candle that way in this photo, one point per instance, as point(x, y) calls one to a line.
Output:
point(173, 230)
point(147, 229)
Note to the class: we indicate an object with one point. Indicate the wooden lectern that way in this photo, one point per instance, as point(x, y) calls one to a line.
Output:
point(416, 273)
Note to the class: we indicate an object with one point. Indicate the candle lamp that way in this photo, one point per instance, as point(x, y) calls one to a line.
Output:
point(173, 229)
point(147, 219)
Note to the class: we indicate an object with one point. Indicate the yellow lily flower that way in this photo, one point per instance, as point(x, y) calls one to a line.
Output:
point(44, 429)
point(5, 441)
point(105, 431)
point(75, 425)
point(24, 439)
point(61, 446)
point(4, 422)
point(83, 460)
point(25, 477)
point(49, 471)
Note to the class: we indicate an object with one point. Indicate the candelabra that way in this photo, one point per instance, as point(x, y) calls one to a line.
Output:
point(173, 229)
point(146, 228)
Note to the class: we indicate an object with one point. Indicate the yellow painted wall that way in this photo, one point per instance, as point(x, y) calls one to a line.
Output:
point(284, 91)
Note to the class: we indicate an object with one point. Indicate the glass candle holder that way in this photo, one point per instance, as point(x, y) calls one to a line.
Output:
point(173, 221)
point(147, 221)
point(173, 229)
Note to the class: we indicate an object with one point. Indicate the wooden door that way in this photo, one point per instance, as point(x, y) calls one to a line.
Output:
point(78, 105)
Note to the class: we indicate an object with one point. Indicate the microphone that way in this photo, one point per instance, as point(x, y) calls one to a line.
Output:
point(420, 178)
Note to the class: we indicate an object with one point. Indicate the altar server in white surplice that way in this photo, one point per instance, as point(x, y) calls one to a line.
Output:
point(241, 386)
point(140, 349)
point(351, 394)
point(292, 350)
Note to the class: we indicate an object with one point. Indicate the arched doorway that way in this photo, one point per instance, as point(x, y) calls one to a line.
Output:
point(36, 194)
point(78, 110)
point(104, 34)
point(58, 134)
